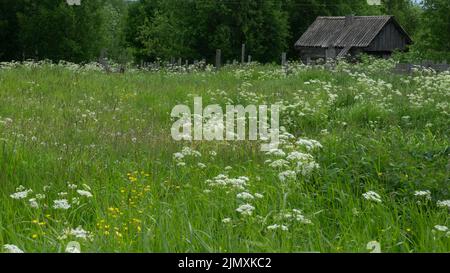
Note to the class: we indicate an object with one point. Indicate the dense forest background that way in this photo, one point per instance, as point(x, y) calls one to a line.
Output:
point(146, 30)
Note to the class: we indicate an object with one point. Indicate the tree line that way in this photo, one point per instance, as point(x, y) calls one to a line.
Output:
point(148, 30)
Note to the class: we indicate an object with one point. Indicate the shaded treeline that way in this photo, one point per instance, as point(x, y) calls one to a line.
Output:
point(193, 29)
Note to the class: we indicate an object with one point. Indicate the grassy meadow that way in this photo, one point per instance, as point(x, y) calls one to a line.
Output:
point(87, 157)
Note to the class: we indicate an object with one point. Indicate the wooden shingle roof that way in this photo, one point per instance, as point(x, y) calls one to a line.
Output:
point(342, 31)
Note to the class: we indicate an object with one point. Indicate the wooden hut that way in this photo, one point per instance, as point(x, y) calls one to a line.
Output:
point(332, 37)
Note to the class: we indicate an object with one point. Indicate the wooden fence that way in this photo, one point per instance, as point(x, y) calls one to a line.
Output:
point(407, 68)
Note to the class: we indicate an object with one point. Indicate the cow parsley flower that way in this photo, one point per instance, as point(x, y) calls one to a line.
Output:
point(277, 226)
point(309, 144)
point(21, 194)
point(298, 156)
point(423, 194)
point(283, 176)
point(276, 152)
point(84, 193)
point(40, 196)
point(298, 216)
point(372, 196)
point(73, 247)
point(280, 163)
point(61, 204)
point(441, 228)
point(245, 196)
point(246, 209)
point(33, 203)
point(443, 204)
point(12, 249)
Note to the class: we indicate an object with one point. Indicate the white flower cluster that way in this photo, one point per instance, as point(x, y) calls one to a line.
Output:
point(372, 196)
point(12, 249)
point(245, 209)
point(222, 180)
point(443, 204)
point(287, 218)
point(78, 233)
point(186, 152)
point(60, 204)
point(423, 196)
point(293, 158)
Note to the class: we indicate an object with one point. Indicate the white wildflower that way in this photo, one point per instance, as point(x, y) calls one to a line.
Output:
point(226, 220)
point(84, 193)
point(246, 209)
point(298, 156)
point(441, 228)
point(298, 216)
point(283, 176)
point(280, 163)
point(12, 249)
point(259, 196)
point(443, 203)
point(309, 144)
point(374, 246)
point(245, 196)
point(61, 204)
point(277, 226)
point(423, 194)
point(372, 196)
point(73, 247)
point(276, 152)
point(21, 194)
point(40, 196)
point(33, 203)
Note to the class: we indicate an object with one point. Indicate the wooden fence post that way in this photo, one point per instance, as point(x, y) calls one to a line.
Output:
point(249, 58)
point(283, 62)
point(283, 59)
point(243, 54)
point(218, 58)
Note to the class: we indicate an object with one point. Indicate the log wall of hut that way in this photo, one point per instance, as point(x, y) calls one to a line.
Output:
point(388, 40)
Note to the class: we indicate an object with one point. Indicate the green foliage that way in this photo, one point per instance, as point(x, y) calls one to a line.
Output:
point(188, 29)
point(380, 132)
